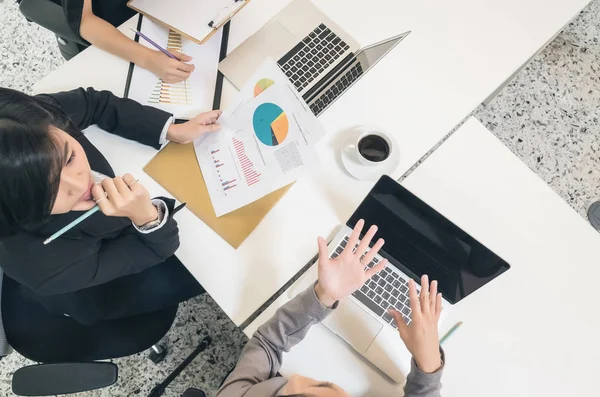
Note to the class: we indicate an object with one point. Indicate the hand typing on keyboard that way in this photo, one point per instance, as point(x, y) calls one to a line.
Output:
point(421, 335)
point(341, 276)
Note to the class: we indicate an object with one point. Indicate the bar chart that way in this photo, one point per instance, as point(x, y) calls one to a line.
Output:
point(250, 173)
point(224, 170)
point(175, 94)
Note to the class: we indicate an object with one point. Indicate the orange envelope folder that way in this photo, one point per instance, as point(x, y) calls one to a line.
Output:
point(176, 169)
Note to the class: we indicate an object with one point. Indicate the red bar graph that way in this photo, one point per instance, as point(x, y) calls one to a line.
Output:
point(250, 174)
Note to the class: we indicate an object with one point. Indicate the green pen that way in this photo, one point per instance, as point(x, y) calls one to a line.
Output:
point(450, 332)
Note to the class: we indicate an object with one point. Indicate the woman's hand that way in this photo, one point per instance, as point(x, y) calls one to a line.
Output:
point(125, 197)
point(343, 275)
point(168, 69)
point(196, 127)
point(421, 336)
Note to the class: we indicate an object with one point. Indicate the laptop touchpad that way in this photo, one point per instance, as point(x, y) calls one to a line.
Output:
point(354, 325)
point(274, 40)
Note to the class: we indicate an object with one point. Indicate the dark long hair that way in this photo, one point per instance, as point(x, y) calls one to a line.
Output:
point(30, 159)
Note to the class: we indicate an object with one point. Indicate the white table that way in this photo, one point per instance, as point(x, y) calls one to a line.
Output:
point(531, 332)
point(458, 53)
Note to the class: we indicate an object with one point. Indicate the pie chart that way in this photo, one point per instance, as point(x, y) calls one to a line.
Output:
point(270, 124)
point(262, 85)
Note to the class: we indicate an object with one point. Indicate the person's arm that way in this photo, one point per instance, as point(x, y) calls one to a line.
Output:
point(128, 253)
point(254, 375)
point(120, 116)
point(85, 261)
point(421, 384)
point(261, 359)
point(103, 35)
point(129, 119)
point(422, 340)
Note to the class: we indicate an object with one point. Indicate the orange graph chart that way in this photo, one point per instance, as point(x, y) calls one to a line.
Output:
point(176, 94)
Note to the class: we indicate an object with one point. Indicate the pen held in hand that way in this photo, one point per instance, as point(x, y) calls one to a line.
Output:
point(149, 40)
point(72, 225)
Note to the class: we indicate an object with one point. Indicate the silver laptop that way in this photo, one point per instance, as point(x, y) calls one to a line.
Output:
point(319, 58)
point(418, 240)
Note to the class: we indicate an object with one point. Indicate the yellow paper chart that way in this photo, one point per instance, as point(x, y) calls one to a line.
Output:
point(176, 94)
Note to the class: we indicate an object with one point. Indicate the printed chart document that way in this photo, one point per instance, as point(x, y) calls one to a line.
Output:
point(266, 141)
point(187, 98)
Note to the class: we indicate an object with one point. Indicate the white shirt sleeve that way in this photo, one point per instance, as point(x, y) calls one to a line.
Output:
point(163, 134)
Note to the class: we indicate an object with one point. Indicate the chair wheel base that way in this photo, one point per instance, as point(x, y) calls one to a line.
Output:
point(193, 392)
point(594, 215)
point(158, 354)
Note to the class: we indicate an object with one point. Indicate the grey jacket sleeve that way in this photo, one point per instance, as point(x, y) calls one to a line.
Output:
point(420, 384)
point(254, 375)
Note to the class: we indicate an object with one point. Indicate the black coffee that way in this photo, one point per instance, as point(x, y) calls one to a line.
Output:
point(374, 148)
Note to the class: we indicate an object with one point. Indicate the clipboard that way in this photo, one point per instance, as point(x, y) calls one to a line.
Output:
point(176, 169)
point(207, 16)
point(219, 80)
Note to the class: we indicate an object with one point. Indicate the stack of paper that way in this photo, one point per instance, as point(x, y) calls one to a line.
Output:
point(266, 141)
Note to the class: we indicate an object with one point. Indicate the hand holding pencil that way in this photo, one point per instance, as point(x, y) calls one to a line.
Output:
point(168, 69)
point(121, 197)
point(169, 65)
point(125, 197)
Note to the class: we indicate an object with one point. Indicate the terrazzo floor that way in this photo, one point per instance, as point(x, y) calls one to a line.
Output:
point(548, 116)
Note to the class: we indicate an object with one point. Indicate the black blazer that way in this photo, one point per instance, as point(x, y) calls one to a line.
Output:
point(76, 273)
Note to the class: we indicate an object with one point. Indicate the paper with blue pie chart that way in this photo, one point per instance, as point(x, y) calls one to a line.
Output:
point(266, 141)
point(270, 124)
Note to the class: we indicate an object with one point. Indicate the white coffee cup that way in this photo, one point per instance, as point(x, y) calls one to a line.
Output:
point(373, 146)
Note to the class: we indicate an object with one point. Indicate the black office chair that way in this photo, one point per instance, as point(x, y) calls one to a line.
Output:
point(68, 350)
point(50, 15)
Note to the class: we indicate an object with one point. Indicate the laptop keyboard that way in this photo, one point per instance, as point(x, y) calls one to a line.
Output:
point(384, 290)
point(309, 58)
point(336, 90)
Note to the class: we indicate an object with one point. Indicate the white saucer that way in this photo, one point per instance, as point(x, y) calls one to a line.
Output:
point(364, 172)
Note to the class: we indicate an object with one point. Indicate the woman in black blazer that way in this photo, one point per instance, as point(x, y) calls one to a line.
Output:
point(117, 263)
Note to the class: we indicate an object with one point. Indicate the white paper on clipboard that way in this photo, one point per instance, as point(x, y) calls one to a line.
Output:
point(185, 99)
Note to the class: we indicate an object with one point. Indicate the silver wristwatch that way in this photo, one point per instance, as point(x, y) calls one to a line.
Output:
point(160, 208)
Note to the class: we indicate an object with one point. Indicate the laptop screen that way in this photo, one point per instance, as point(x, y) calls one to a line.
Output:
point(370, 55)
point(419, 240)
